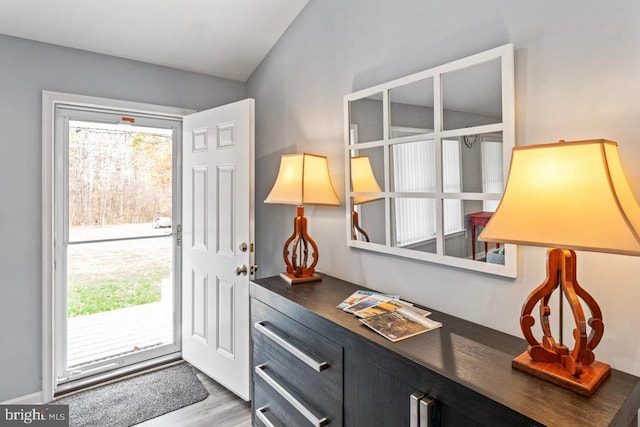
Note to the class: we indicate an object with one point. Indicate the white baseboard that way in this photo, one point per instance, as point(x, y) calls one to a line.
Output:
point(33, 398)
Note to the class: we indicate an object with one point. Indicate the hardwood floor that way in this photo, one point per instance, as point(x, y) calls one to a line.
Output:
point(220, 409)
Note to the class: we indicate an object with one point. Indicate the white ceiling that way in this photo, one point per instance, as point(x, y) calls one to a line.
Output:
point(225, 38)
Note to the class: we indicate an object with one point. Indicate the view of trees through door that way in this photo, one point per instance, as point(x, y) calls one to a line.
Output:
point(120, 251)
point(119, 186)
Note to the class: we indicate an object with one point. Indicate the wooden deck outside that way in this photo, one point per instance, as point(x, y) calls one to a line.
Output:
point(102, 335)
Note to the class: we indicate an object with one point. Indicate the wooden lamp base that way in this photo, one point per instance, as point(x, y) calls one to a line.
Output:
point(297, 269)
point(293, 280)
point(586, 384)
point(576, 368)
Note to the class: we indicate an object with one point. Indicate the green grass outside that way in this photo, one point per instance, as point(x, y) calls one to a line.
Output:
point(90, 294)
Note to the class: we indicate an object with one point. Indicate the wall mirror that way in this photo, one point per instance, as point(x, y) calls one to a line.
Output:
point(427, 156)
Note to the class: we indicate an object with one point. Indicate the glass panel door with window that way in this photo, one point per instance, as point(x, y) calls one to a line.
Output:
point(118, 219)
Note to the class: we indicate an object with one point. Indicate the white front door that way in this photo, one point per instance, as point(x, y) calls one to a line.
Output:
point(217, 242)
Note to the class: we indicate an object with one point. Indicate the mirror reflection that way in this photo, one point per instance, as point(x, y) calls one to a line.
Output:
point(473, 164)
point(365, 119)
point(411, 106)
point(372, 158)
point(462, 241)
point(427, 179)
point(413, 167)
point(366, 188)
point(472, 96)
point(368, 220)
point(414, 223)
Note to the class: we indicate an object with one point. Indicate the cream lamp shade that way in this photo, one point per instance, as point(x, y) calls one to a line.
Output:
point(571, 195)
point(363, 180)
point(303, 179)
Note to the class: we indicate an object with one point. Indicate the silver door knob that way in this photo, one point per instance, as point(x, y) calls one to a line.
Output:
point(241, 270)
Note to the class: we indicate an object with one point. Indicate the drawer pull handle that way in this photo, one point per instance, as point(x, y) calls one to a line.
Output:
point(318, 422)
point(261, 413)
point(314, 364)
point(414, 402)
point(421, 406)
point(426, 406)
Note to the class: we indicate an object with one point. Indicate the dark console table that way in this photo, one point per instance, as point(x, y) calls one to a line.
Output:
point(317, 365)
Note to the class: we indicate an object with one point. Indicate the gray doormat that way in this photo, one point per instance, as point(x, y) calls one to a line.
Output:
point(134, 400)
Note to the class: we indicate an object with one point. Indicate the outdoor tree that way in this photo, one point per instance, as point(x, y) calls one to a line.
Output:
point(118, 176)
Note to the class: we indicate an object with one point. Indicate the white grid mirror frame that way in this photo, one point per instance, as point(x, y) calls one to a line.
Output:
point(393, 135)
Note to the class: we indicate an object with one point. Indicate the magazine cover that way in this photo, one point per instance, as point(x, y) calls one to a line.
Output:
point(367, 302)
point(354, 298)
point(391, 305)
point(395, 326)
point(360, 295)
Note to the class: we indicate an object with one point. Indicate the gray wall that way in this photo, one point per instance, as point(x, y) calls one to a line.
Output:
point(26, 69)
point(577, 65)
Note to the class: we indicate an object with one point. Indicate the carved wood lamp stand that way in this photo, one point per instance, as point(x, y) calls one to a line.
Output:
point(297, 269)
point(577, 368)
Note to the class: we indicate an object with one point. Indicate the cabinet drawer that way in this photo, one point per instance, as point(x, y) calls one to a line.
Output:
point(291, 357)
point(304, 339)
point(281, 404)
point(264, 417)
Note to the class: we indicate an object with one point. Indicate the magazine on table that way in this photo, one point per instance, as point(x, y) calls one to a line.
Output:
point(398, 325)
point(367, 302)
point(388, 315)
point(391, 305)
point(360, 295)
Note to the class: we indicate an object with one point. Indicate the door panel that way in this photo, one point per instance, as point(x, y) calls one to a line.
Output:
point(199, 208)
point(218, 219)
point(225, 204)
point(199, 308)
point(226, 322)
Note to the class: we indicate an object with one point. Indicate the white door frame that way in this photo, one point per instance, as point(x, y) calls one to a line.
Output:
point(49, 102)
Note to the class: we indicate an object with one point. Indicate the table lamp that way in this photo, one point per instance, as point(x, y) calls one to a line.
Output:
point(362, 181)
point(303, 179)
point(566, 196)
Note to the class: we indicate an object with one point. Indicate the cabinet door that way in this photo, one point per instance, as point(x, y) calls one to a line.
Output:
point(374, 396)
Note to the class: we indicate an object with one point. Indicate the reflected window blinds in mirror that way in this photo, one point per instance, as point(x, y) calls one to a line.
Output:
point(427, 156)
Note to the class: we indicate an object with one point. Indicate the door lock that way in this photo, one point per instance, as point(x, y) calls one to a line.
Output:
point(243, 247)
